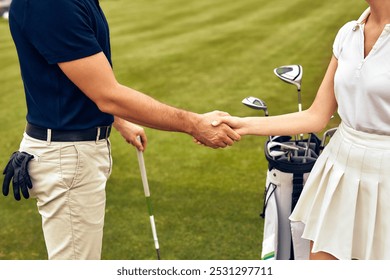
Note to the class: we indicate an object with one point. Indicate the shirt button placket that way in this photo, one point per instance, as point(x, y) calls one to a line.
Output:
point(359, 68)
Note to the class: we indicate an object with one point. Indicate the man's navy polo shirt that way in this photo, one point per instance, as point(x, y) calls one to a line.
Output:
point(47, 32)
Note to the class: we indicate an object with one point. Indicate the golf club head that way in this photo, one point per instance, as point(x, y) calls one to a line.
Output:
point(275, 154)
point(291, 74)
point(327, 134)
point(255, 103)
point(282, 146)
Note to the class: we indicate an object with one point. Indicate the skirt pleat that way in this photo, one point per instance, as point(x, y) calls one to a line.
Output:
point(345, 201)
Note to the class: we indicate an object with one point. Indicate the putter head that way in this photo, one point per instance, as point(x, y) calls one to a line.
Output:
point(291, 74)
point(255, 103)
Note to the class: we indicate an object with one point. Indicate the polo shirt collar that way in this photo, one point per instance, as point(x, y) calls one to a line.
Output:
point(362, 20)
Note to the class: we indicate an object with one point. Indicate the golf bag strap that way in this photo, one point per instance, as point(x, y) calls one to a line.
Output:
point(271, 188)
point(297, 189)
point(296, 193)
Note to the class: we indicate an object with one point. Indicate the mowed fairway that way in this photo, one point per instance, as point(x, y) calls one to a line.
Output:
point(199, 55)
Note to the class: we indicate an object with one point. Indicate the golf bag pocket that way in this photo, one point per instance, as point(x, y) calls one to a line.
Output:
point(270, 237)
point(279, 200)
point(282, 196)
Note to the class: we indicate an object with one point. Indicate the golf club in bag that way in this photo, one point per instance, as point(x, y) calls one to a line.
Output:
point(290, 161)
point(289, 165)
point(288, 170)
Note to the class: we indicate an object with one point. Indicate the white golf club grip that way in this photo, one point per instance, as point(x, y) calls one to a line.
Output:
point(141, 163)
point(154, 232)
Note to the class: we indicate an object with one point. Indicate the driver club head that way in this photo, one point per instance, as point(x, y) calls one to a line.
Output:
point(291, 74)
point(255, 103)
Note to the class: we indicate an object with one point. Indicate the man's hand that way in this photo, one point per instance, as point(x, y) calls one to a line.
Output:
point(130, 131)
point(17, 170)
point(219, 136)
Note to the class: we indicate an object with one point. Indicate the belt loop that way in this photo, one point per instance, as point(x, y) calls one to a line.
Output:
point(48, 137)
point(98, 134)
point(107, 131)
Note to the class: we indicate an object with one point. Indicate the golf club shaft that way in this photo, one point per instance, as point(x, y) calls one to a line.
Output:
point(308, 145)
point(300, 106)
point(269, 137)
point(145, 184)
point(299, 101)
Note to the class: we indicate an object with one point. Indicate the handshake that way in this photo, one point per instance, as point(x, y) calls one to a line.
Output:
point(217, 130)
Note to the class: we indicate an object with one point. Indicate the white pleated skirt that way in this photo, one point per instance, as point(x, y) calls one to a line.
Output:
point(345, 203)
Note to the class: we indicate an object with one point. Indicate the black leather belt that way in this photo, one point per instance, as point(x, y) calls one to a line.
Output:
point(50, 135)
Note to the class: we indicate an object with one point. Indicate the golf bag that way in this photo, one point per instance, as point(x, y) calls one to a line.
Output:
point(287, 173)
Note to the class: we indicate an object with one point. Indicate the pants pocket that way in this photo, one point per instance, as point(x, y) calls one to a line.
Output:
point(69, 162)
point(109, 158)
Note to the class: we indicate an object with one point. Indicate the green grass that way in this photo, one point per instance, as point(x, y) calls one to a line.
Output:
point(199, 55)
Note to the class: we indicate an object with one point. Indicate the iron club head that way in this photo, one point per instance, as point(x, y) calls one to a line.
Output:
point(255, 103)
point(283, 146)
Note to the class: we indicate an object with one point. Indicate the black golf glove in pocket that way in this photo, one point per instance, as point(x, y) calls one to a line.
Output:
point(17, 170)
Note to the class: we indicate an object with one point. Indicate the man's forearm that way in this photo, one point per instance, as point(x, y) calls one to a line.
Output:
point(93, 75)
point(142, 109)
